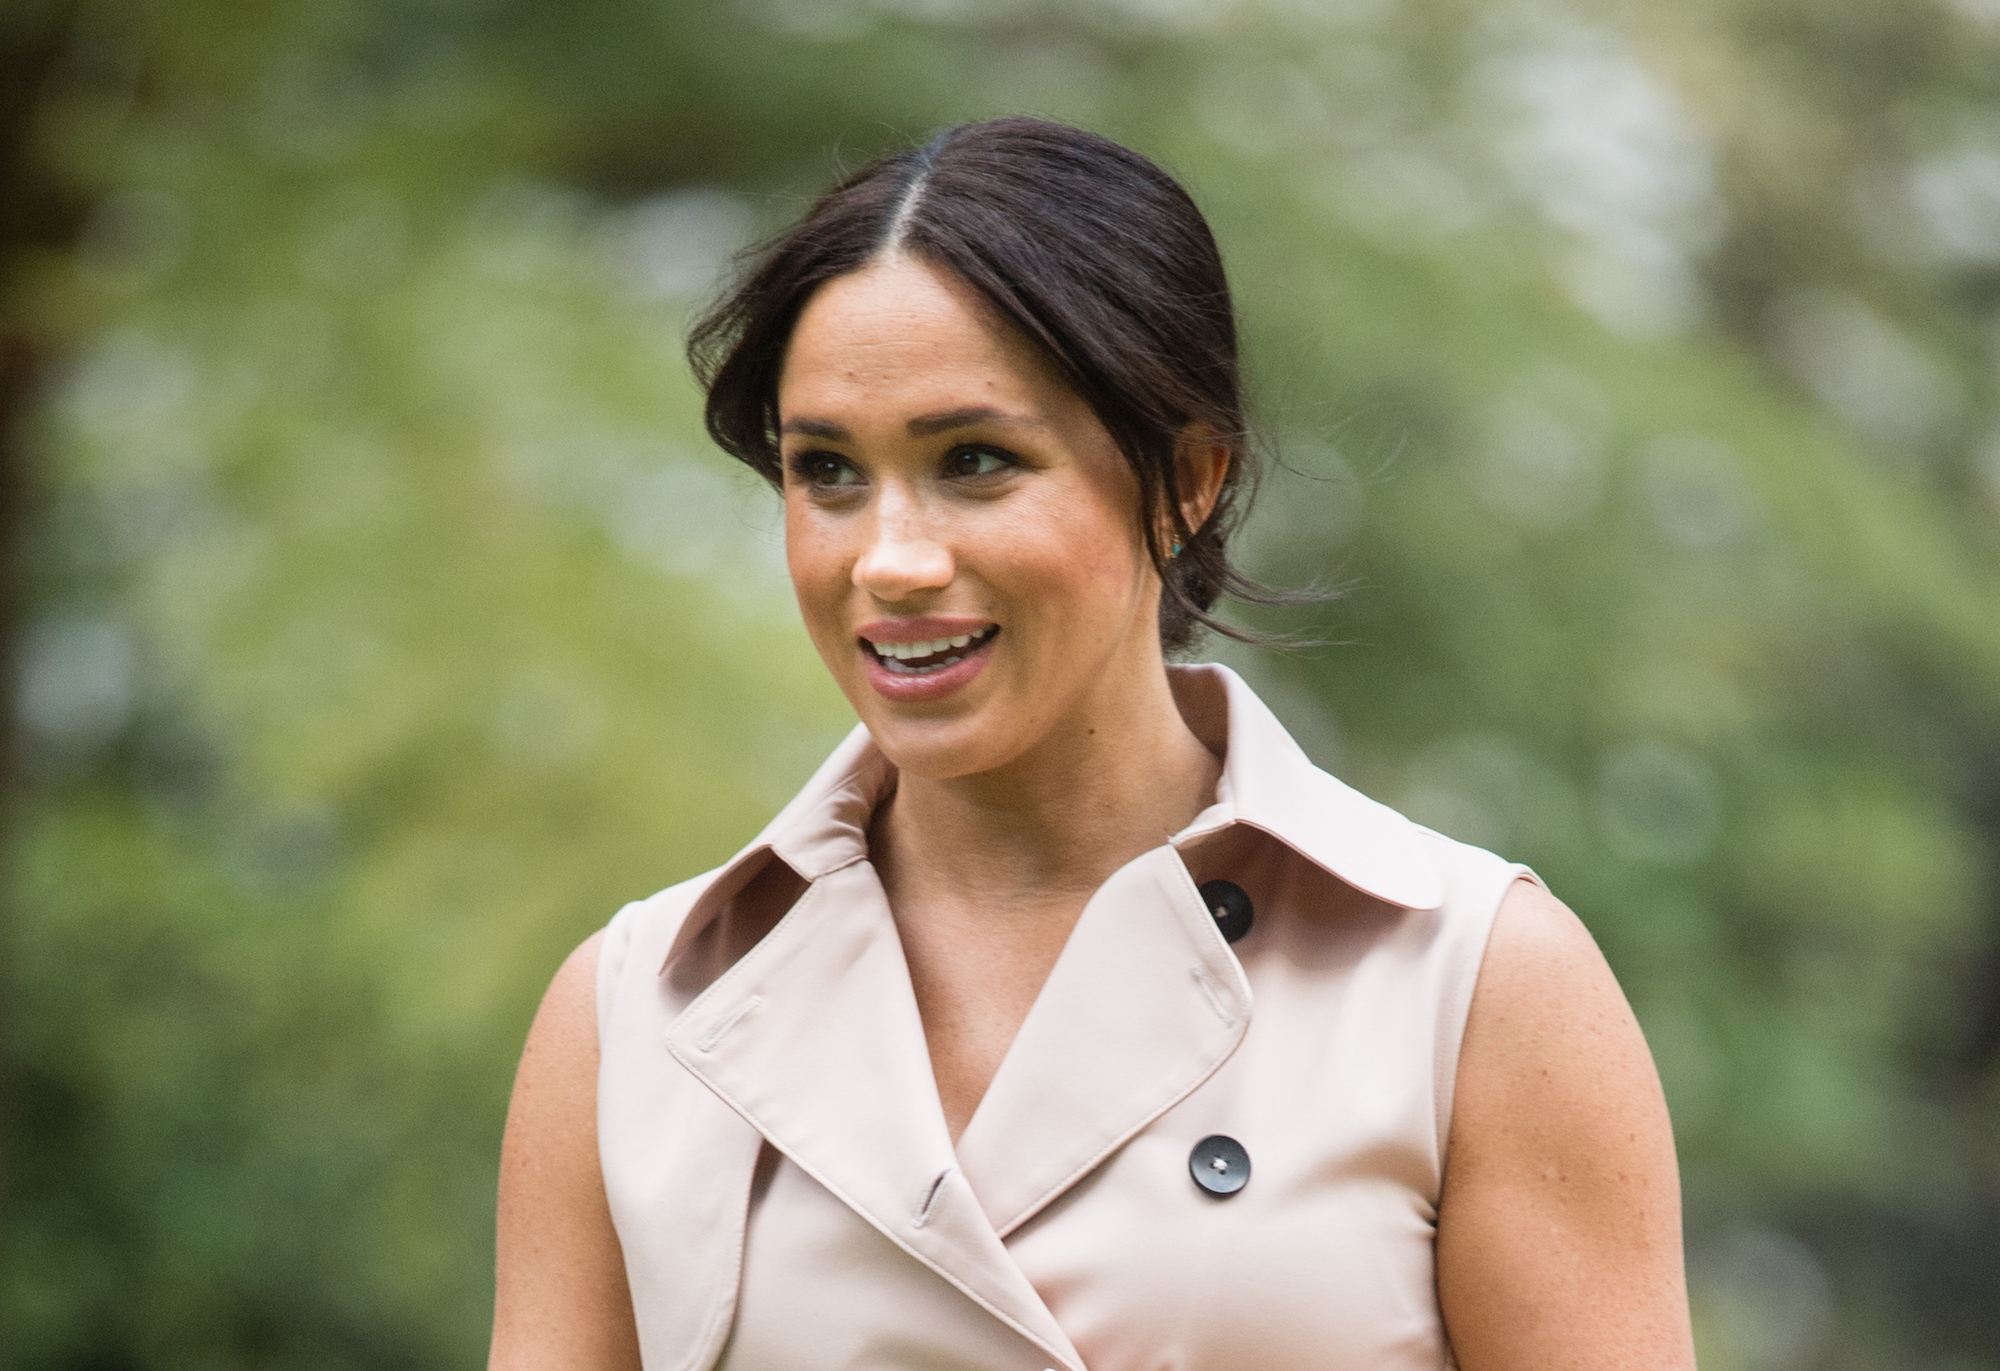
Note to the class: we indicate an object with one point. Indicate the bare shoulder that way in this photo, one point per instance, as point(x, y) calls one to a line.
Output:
point(563, 1039)
point(1559, 1239)
point(560, 1296)
point(1543, 980)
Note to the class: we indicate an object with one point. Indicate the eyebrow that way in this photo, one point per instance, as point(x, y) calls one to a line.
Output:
point(817, 428)
point(923, 426)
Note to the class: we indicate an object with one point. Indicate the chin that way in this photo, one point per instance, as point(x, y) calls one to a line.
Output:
point(937, 749)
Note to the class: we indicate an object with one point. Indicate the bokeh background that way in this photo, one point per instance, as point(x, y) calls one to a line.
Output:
point(378, 618)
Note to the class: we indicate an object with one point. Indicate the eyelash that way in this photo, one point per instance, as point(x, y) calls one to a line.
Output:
point(803, 464)
point(806, 466)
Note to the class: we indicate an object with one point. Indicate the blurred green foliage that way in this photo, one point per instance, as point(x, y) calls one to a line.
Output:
point(387, 620)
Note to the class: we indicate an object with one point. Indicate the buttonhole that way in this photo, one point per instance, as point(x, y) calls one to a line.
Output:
point(708, 1040)
point(931, 1200)
point(1213, 993)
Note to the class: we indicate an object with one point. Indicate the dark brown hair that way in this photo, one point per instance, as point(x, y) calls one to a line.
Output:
point(1092, 252)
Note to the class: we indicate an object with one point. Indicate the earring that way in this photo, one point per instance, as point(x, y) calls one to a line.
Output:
point(1177, 549)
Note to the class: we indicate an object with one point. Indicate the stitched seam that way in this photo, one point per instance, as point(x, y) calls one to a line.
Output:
point(708, 1040)
point(747, 964)
point(1171, 1095)
point(723, 1313)
point(732, 878)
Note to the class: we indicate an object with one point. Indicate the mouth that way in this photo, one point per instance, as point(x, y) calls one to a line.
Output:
point(928, 656)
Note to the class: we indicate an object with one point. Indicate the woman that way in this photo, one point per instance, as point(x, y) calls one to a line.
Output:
point(1068, 1017)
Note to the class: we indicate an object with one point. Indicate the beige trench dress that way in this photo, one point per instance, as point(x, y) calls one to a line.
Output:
point(789, 1199)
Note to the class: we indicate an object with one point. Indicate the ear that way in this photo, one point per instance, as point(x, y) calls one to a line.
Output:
point(1201, 465)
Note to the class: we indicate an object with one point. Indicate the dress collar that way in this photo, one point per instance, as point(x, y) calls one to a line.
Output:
point(1268, 784)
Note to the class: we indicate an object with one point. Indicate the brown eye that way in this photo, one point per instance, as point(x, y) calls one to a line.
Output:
point(824, 470)
point(976, 461)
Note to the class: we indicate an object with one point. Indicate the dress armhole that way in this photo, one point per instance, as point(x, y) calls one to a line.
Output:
point(611, 953)
point(1478, 886)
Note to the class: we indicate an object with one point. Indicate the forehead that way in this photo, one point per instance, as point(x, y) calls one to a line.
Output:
point(900, 329)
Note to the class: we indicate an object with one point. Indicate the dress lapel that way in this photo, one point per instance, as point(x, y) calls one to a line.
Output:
point(1144, 1004)
point(814, 1039)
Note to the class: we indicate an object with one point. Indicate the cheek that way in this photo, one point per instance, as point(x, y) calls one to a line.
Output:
point(818, 566)
point(1079, 552)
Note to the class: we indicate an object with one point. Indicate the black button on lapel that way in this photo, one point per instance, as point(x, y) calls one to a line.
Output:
point(1219, 1164)
point(1230, 906)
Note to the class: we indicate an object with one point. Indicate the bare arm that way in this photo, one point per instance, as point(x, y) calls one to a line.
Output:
point(1559, 1232)
point(561, 1302)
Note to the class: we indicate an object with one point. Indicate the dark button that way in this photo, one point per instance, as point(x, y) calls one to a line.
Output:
point(1219, 1165)
point(1230, 906)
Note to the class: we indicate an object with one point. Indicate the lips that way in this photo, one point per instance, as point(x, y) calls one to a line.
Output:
point(930, 654)
point(916, 660)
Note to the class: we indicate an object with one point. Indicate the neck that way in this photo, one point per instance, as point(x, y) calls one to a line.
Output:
point(1039, 835)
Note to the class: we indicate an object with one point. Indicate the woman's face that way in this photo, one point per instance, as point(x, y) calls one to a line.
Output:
point(962, 532)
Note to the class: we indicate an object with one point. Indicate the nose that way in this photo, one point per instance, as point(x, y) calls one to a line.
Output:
point(904, 555)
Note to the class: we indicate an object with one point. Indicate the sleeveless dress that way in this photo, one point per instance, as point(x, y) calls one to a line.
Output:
point(788, 1196)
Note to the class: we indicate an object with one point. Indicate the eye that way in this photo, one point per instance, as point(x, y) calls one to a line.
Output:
point(824, 470)
point(976, 461)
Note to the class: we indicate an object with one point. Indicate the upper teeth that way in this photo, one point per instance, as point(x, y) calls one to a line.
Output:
point(902, 652)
